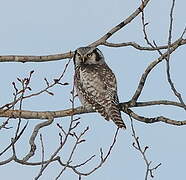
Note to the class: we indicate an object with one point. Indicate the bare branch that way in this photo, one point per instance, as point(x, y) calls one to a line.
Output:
point(18, 58)
point(62, 143)
point(139, 47)
point(78, 141)
point(81, 110)
point(144, 25)
point(167, 58)
point(103, 39)
point(177, 94)
point(15, 139)
point(160, 102)
point(173, 88)
point(154, 119)
point(102, 158)
point(85, 162)
point(23, 59)
point(4, 124)
point(151, 66)
point(136, 144)
point(11, 111)
point(6, 161)
point(34, 134)
point(42, 114)
point(42, 151)
point(25, 86)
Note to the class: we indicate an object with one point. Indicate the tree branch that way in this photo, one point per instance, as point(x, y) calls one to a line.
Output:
point(102, 158)
point(151, 66)
point(154, 119)
point(23, 59)
point(137, 145)
point(103, 39)
point(34, 134)
point(139, 47)
point(125, 107)
point(173, 88)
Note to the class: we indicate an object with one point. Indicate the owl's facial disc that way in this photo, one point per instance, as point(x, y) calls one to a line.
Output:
point(88, 56)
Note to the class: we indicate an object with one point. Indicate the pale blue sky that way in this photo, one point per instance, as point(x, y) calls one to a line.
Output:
point(41, 27)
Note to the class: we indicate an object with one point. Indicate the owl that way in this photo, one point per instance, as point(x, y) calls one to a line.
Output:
point(96, 85)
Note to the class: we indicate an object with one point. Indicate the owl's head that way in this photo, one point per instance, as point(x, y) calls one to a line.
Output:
point(87, 56)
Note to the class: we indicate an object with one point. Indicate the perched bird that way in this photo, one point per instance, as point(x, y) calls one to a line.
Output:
point(96, 84)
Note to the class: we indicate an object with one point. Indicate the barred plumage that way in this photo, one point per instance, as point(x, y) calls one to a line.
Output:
point(96, 84)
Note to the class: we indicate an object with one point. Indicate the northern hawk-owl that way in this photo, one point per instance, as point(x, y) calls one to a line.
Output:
point(96, 84)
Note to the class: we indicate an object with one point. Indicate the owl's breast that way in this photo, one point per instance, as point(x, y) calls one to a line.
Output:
point(92, 80)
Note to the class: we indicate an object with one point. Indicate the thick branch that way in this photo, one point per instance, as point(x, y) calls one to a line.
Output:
point(80, 110)
point(14, 58)
point(41, 114)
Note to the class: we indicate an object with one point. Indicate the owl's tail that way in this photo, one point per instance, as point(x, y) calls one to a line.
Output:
point(111, 113)
point(115, 116)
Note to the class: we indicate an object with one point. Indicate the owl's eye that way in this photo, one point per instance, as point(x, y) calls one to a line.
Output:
point(89, 55)
point(78, 55)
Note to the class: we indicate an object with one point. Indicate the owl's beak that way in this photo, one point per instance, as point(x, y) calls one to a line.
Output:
point(84, 59)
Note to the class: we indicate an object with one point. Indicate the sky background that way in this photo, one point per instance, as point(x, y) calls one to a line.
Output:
point(43, 27)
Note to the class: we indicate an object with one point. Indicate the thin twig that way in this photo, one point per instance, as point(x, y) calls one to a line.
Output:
point(42, 151)
point(15, 139)
point(102, 157)
point(62, 143)
point(136, 144)
point(175, 91)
